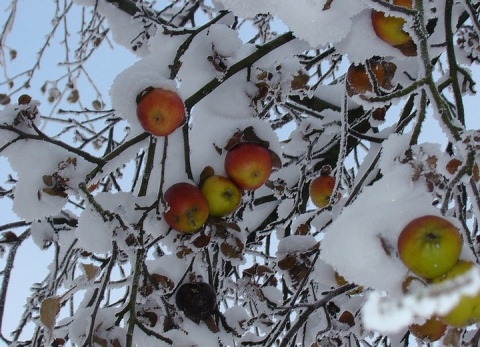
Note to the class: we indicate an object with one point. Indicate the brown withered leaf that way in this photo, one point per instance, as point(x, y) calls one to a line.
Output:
point(246, 135)
point(453, 165)
point(116, 343)
point(150, 316)
point(73, 96)
point(476, 173)
point(9, 236)
point(276, 161)
point(298, 273)
point(231, 251)
point(58, 342)
point(100, 341)
point(183, 251)
point(49, 309)
point(302, 229)
point(347, 318)
point(386, 246)
point(300, 81)
point(206, 173)
point(163, 281)
point(90, 270)
point(201, 240)
point(4, 99)
point(287, 263)
point(24, 99)
point(327, 5)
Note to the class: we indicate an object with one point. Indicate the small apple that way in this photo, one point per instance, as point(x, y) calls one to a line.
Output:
point(248, 165)
point(429, 246)
point(467, 311)
point(187, 207)
point(431, 330)
point(390, 28)
point(197, 300)
point(223, 196)
point(160, 111)
point(321, 189)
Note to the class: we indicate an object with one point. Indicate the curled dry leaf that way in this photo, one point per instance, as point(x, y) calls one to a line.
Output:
point(90, 270)
point(49, 309)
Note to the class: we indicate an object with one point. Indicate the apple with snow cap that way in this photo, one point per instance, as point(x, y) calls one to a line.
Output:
point(429, 246)
point(160, 111)
point(248, 165)
point(187, 208)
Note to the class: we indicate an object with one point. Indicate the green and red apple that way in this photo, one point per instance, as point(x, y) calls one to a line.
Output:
point(223, 196)
point(160, 111)
point(467, 311)
point(390, 28)
point(429, 246)
point(187, 208)
point(248, 165)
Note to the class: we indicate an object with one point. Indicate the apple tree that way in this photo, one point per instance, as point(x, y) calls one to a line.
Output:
point(248, 179)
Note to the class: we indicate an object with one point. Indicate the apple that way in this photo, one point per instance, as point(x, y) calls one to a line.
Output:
point(187, 208)
point(467, 311)
point(248, 165)
point(160, 111)
point(321, 189)
point(223, 196)
point(197, 300)
point(429, 246)
point(390, 28)
point(431, 330)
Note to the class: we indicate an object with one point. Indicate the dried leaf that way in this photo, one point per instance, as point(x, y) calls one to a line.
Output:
point(302, 229)
point(276, 161)
point(48, 180)
point(287, 263)
point(13, 54)
point(73, 96)
point(347, 318)
point(327, 5)
point(201, 241)
point(162, 280)
point(206, 173)
point(232, 251)
point(49, 309)
point(183, 251)
point(90, 270)
point(4, 99)
point(24, 99)
point(10, 236)
point(300, 81)
point(97, 105)
point(150, 316)
point(100, 341)
point(453, 165)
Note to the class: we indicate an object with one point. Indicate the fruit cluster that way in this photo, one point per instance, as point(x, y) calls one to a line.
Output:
point(248, 166)
point(430, 247)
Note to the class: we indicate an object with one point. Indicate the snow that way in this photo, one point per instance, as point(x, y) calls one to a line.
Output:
point(308, 19)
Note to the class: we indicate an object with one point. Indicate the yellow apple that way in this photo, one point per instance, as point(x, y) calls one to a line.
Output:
point(223, 196)
point(429, 246)
point(390, 28)
point(248, 165)
point(467, 311)
point(187, 208)
point(321, 189)
point(160, 111)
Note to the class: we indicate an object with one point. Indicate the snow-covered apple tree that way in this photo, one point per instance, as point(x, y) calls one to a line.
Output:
point(246, 179)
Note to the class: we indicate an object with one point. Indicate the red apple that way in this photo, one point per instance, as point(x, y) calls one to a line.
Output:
point(223, 196)
point(187, 208)
point(160, 111)
point(467, 311)
point(321, 189)
point(390, 28)
point(432, 330)
point(429, 246)
point(248, 165)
